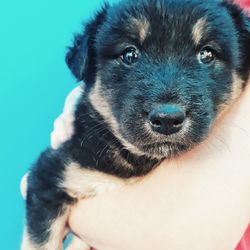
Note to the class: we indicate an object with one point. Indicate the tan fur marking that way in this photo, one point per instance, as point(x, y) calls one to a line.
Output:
point(142, 26)
point(234, 95)
point(198, 30)
point(101, 105)
point(236, 87)
point(81, 182)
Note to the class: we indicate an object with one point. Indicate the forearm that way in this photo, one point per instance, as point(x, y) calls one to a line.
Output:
point(199, 201)
point(185, 211)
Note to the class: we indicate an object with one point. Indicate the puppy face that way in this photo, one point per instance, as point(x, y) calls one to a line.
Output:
point(160, 72)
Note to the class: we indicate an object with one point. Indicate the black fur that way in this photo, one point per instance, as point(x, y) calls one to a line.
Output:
point(167, 72)
point(242, 24)
point(44, 199)
point(81, 58)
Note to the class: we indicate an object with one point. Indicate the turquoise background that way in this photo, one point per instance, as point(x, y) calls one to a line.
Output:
point(34, 81)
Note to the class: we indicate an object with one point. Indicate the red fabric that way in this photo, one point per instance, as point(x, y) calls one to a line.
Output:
point(243, 3)
point(245, 241)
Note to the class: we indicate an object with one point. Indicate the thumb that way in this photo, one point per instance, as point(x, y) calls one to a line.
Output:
point(23, 186)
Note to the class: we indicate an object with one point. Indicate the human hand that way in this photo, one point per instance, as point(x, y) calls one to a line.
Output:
point(63, 125)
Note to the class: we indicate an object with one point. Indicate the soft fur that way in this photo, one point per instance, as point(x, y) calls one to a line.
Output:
point(114, 140)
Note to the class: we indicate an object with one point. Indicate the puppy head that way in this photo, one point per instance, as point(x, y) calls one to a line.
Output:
point(160, 72)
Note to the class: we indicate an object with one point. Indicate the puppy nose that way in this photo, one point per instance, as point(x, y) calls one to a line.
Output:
point(167, 119)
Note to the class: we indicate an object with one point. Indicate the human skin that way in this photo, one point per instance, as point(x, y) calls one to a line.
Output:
point(200, 200)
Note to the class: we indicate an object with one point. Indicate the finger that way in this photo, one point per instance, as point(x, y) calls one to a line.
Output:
point(54, 140)
point(63, 125)
point(63, 130)
point(65, 233)
point(72, 99)
point(23, 186)
point(78, 244)
point(68, 120)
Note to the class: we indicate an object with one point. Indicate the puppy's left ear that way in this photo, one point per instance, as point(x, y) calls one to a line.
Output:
point(242, 24)
point(81, 57)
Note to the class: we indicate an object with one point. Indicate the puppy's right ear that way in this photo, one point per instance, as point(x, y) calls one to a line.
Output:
point(81, 57)
point(242, 24)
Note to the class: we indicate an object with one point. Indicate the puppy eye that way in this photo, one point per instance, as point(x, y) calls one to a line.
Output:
point(129, 56)
point(206, 55)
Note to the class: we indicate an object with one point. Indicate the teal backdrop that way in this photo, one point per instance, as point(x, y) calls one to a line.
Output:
point(34, 81)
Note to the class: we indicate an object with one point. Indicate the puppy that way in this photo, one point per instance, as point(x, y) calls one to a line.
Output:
point(158, 73)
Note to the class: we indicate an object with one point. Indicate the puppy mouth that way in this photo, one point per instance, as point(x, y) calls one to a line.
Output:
point(144, 137)
point(166, 146)
point(162, 146)
point(165, 149)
